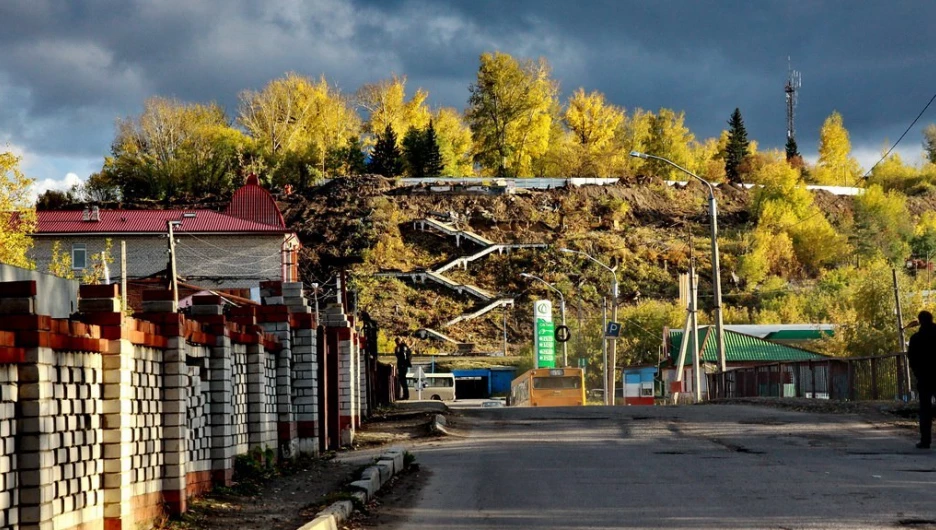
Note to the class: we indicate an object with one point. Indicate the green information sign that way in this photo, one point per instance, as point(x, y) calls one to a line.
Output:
point(544, 335)
point(545, 343)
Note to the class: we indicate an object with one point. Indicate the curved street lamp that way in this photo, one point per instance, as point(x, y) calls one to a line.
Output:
point(716, 268)
point(562, 307)
point(604, 343)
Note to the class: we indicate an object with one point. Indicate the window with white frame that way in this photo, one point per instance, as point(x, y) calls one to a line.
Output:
point(79, 255)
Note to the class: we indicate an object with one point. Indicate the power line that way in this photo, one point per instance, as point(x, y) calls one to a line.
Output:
point(901, 136)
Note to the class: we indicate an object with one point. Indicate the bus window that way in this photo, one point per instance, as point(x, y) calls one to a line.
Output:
point(541, 383)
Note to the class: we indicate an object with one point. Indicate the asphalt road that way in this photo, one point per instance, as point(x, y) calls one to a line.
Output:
point(713, 466)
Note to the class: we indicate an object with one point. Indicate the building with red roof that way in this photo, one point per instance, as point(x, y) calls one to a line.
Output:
point(246, 244)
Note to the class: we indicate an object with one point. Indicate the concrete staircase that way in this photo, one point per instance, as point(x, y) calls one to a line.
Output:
point(475, 314)
point(463, 261)
point(450, 230)
point(490, 300)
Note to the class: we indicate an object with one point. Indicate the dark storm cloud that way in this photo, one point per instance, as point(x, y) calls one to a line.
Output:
point(69, 69)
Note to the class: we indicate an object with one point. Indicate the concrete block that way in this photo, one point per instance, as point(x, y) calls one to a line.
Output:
point(396, 458)
point(17, 306)
point(386, 470)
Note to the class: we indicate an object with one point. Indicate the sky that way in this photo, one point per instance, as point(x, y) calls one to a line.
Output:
point(69, 70)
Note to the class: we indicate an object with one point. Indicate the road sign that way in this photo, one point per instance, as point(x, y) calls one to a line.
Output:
point(544, 335)
point(420, 381)
point(613, 331)
point(563, 334)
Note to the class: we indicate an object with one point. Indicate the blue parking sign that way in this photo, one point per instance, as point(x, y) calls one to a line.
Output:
point(613, 331)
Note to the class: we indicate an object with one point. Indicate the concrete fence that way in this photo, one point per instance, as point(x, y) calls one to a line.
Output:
point(112, 422)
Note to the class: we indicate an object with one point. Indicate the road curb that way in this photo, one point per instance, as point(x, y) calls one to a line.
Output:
point(388, 464)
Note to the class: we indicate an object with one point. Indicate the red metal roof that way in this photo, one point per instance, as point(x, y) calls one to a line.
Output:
point(254, 203)
point(148, 221)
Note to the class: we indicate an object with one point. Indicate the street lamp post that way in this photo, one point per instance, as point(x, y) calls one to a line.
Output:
point(614, 297)
point(716, 268)
point(562, 307)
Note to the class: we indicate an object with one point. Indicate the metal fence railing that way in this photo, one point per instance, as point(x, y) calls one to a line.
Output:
point(863, 378)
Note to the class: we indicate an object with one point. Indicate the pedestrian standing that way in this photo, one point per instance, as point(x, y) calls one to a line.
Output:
point(921, 354)
point(404, 356)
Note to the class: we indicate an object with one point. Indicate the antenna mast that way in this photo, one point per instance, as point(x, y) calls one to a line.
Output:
point(793, 83)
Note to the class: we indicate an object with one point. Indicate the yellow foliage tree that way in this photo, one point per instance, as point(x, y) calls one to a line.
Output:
point(787, 220)
point(17, 213)
point(454, 138)
point(511, 111)
point(386, 104)
point(669, 138)
point(893, 174)
point(61, 263)
point(883, 227)
point(173, 148)
point(594, 124)
point(835, 166)
point(300, 117)
point(633, 135)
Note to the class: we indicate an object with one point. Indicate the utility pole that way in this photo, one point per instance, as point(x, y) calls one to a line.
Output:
point(696, 361)
point(612, 367)
point(604, 350)
point(173, 282)
point(900, 330)
point(123, 276)
point(505, 331)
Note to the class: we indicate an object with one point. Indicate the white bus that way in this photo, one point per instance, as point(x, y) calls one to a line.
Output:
point(439, 387)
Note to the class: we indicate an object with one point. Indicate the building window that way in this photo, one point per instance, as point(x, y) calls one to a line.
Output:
point(79, 256)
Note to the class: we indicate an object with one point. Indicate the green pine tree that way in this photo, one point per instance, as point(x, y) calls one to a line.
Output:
point(414, 153)
point(434, 166)
point(792, 151)
point(354, 156)
point(386, 159)
point(737, 148)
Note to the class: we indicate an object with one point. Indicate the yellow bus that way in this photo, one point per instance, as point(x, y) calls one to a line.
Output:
point(548, 387)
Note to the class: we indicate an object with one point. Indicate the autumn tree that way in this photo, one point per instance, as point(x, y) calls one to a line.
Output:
point(891, 173)
point(171, 149)
point(633, 135)
point(17, 213)
point(386, 105)
point(929, 142)
point(386, 159)
point(298, 123)
point(455, 144)
point(882, 225)
point(737, 148)
point(835, 165)
point(706, 160)
point(510, 112)
point(669, 138)
point(792, 235)
point(923, 243)
point(593, 123)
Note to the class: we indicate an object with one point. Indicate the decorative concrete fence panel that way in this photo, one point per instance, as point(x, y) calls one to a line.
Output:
point(113, 422)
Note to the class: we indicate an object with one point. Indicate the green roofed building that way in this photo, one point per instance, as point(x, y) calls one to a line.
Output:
point(741, 350)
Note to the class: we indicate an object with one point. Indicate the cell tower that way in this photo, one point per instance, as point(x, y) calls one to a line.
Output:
point(793, 83)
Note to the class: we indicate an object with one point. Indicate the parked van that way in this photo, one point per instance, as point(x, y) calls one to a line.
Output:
point(440, 387)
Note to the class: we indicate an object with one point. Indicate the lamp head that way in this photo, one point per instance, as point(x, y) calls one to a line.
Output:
point(637, 154)
point(567, 250)
point(524, 275)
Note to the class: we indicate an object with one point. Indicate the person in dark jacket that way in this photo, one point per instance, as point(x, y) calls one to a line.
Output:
point(921, 353)
point(404, 356)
